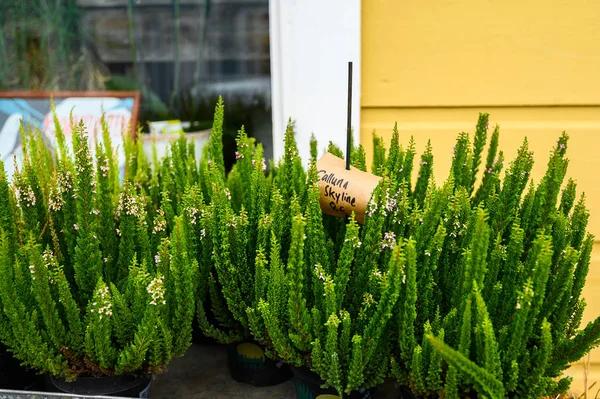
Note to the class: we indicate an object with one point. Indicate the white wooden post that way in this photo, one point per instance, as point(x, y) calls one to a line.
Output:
point(311, 44)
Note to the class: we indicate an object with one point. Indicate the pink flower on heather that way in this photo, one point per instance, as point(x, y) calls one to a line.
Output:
point(76, 227)
point(389, 240)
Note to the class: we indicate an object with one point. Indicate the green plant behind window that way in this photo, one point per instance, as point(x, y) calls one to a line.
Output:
point(43, 46)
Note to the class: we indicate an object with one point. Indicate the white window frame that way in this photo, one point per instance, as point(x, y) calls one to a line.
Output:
point(311, 44)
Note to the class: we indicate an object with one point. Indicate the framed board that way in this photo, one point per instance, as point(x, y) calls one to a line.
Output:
point(120, 108)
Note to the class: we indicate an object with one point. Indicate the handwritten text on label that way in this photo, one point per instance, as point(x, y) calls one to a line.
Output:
point(344, 191)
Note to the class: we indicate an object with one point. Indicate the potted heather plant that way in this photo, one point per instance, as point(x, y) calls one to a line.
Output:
point(300, 282)
point(494, 306)
point(222, 215)
point(331, 316)
point(93, 292)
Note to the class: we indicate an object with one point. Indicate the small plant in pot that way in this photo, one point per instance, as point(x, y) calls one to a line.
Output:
point(494, 307)
point(90, 295)
point(222, 217)
point(324, 288)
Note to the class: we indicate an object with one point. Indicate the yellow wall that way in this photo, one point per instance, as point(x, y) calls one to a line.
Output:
point(534, 65)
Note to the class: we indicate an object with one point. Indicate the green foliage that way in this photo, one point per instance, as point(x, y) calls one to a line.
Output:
point(280, 271)
point(478, 264)
point(215, 145)
point(83, 293)
point(378, 162)
point(499, 276)
point(472, 287)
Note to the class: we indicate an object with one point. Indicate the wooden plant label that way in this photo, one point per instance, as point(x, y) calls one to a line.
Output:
point(344, 191)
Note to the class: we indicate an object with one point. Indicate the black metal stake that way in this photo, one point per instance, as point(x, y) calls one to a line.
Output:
point(349, 125)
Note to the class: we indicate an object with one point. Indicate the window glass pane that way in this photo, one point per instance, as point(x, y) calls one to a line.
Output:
point(181, 54)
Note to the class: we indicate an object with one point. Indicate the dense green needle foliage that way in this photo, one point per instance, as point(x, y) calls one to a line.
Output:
point(471, 286)
point(275, 269)
point(94, 282)
point(494, 304)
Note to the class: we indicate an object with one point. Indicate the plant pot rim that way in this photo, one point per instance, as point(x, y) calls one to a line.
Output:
point(103, 385)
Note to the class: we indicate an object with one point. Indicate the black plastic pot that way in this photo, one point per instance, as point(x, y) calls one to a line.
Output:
point(247, 363)
point(119, 385)
point(14, 376)
point(308, 386)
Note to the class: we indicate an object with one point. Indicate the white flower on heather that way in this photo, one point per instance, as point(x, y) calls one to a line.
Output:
point(49, 263)
point(192, 213)
point(105, 168)
point(129, 204)
point(55, 201)
point(17, 192)
point(27, 196)
point(391, 204)
point(160, 222)
point(320, 272)
point(371, 207)
point(156, 290)
point(354, 241)
point(48, 258)
point(102, 304)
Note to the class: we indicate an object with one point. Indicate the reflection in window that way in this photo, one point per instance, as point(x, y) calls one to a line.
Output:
point(181, 54)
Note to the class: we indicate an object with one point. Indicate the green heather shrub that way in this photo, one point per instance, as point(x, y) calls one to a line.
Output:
point(470, 287)
point(490, 300)
point(92, 282)
point(299, 282)
point(221, 216)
